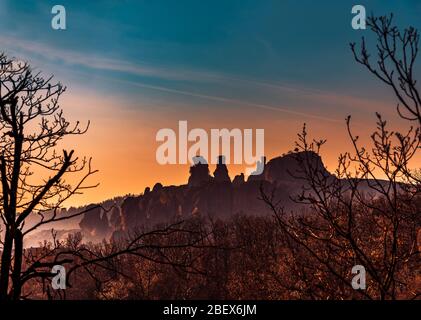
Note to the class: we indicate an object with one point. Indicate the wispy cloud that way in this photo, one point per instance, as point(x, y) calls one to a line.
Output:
point(233, 102)
point(26, 49)
point(29, 48)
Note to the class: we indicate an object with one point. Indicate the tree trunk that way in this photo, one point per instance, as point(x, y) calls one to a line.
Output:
point(6, 260)
point(17, 266)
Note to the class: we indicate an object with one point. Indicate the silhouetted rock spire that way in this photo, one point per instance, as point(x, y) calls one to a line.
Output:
point(157, 186)
point(199, 172)
point(95, 222)
point(221, 171)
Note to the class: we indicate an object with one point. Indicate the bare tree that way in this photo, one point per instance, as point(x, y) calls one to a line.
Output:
point(368, 213)
point(34, 188)
point(396, 55)
point(31, 125)
point(177, 245)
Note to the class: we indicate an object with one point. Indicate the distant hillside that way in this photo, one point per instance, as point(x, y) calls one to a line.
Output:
point(216, 196)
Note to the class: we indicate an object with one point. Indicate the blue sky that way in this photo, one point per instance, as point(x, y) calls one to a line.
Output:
point(268, 63)
point(190, 44)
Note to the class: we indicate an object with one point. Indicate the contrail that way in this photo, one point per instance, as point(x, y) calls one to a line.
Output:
point(229, 100)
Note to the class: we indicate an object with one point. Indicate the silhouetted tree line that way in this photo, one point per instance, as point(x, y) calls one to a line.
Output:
point(243, 257)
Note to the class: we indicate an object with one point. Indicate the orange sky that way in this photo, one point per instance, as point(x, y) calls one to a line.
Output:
point(122, 143)
point(135, 69)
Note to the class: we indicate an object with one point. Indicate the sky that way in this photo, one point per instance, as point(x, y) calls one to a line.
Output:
point(134, 67)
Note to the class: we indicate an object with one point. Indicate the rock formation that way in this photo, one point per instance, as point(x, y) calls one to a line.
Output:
point(221, 172)
point(205, 195)
point(94, 223)
point(199, 172)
